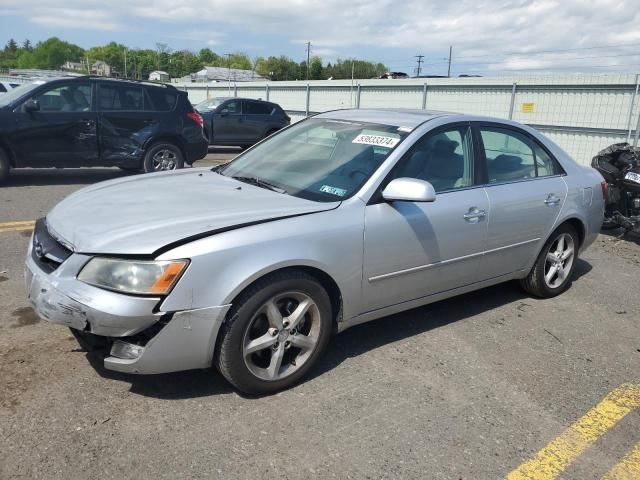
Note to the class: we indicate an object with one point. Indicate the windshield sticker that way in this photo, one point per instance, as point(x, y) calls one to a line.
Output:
point(405, 129)
point(340, 192)
point(377, 140)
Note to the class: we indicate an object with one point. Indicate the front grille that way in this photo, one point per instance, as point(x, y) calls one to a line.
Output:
point(46, 251)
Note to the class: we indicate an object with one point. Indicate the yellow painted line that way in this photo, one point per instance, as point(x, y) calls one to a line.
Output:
point(16, 229)
point(553, 459)
point(13, 224)
point(628, 468)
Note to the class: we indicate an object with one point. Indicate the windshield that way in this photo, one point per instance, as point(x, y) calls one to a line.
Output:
point(318, 159)
point(209, 105)
point(17, 92)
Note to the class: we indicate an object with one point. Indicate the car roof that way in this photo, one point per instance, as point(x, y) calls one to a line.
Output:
point(386, 116)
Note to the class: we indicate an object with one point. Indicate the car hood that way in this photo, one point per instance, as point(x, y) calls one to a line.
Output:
point(144, 213)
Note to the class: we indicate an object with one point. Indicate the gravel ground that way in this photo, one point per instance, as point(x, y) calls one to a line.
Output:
point(467, 388)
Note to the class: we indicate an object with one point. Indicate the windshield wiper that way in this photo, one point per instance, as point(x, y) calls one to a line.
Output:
point(219, 167)
point(258, 182)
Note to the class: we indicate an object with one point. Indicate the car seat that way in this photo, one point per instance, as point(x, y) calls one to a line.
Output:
point(444, 168)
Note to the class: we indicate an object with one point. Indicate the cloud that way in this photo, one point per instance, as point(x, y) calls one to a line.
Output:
point(479, 30)
point(77, 19)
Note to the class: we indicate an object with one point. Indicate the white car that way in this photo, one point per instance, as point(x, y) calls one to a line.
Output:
point(6, 86)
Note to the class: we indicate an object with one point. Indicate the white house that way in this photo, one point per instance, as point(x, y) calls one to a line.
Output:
point(159, 76)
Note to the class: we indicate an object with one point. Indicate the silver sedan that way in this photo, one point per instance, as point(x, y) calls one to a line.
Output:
point(340, 219)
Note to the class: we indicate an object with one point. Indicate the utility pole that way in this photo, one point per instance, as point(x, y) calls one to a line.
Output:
point(125, 62)
point(419, 69)
point(229, 73)
point(308, 56)
point(449, 69)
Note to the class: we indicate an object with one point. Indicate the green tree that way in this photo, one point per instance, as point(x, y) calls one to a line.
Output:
point(315, 69)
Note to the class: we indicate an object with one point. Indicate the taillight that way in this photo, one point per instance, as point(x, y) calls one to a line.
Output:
point(604, 187)
point(196, 117)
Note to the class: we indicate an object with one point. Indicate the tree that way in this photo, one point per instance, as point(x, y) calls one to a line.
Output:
point(315, 69)
point(26, 45)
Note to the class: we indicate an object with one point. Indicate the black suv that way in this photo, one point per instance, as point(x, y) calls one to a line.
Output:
point(240, 121)
point(94, 121)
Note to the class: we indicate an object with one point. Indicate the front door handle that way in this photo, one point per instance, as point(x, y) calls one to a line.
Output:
point(552, 200)
point(88, 122)
point(474, 214)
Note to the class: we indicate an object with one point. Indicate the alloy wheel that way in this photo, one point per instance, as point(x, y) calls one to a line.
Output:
point(559, 260)
point(281, 336)
point(163, 160)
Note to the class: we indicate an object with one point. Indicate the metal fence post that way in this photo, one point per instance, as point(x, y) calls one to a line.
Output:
point(235, 89)
point(358, 97)
point(308, 98)
point(266, 92)
point(207, 91)
point(633, 101)
point(513, 100)
point(424, 96)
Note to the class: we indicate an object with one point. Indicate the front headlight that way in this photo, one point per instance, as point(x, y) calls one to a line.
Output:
point(132, 276)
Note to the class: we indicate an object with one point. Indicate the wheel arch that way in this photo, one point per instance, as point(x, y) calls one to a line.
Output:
point(326, 280)
point(166, 138)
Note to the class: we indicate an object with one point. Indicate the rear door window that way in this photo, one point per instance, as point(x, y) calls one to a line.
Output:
point(512, 156)
point(120, 98)
point(257, 108)
point(2, 89)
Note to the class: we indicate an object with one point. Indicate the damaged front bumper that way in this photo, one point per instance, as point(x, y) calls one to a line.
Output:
point(180, 340)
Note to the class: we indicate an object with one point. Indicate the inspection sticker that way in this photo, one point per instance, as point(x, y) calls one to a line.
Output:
point(377, 140)
point(340, 192)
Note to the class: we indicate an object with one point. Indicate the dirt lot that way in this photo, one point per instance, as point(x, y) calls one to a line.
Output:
point(468, 388)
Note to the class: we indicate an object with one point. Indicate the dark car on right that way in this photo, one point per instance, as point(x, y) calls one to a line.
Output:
point(240, 121)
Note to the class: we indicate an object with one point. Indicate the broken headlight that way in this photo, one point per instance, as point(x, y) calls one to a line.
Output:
point(133, 276)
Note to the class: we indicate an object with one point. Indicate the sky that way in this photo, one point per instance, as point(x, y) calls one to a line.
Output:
point(488, 36)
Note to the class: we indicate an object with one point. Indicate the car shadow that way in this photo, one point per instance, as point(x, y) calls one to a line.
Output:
point(349, 344)
point(59, 176)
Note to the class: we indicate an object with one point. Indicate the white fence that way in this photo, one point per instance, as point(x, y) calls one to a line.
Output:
point(582, 113)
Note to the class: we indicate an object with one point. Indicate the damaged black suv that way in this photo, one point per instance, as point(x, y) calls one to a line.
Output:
point(95, 121)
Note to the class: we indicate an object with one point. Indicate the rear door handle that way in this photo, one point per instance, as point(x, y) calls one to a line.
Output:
point(474, 213)
point(552, 200)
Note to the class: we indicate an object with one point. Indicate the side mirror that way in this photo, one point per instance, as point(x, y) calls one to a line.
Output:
point(409, 190)
point(224, 112)
point(31, 105)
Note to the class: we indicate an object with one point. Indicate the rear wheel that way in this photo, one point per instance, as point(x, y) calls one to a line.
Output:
point(276, 331)
point(162, 157)
point(552, 272)
point(5, 166)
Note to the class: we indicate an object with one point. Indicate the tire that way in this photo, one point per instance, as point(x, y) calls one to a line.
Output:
point(5, 166)
point(162, 157)
point(255, 335)
point(541, 282)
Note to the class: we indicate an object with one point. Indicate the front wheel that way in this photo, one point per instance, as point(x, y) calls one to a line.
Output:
point(552, 272)
point(162, 157)
point(275, 332)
